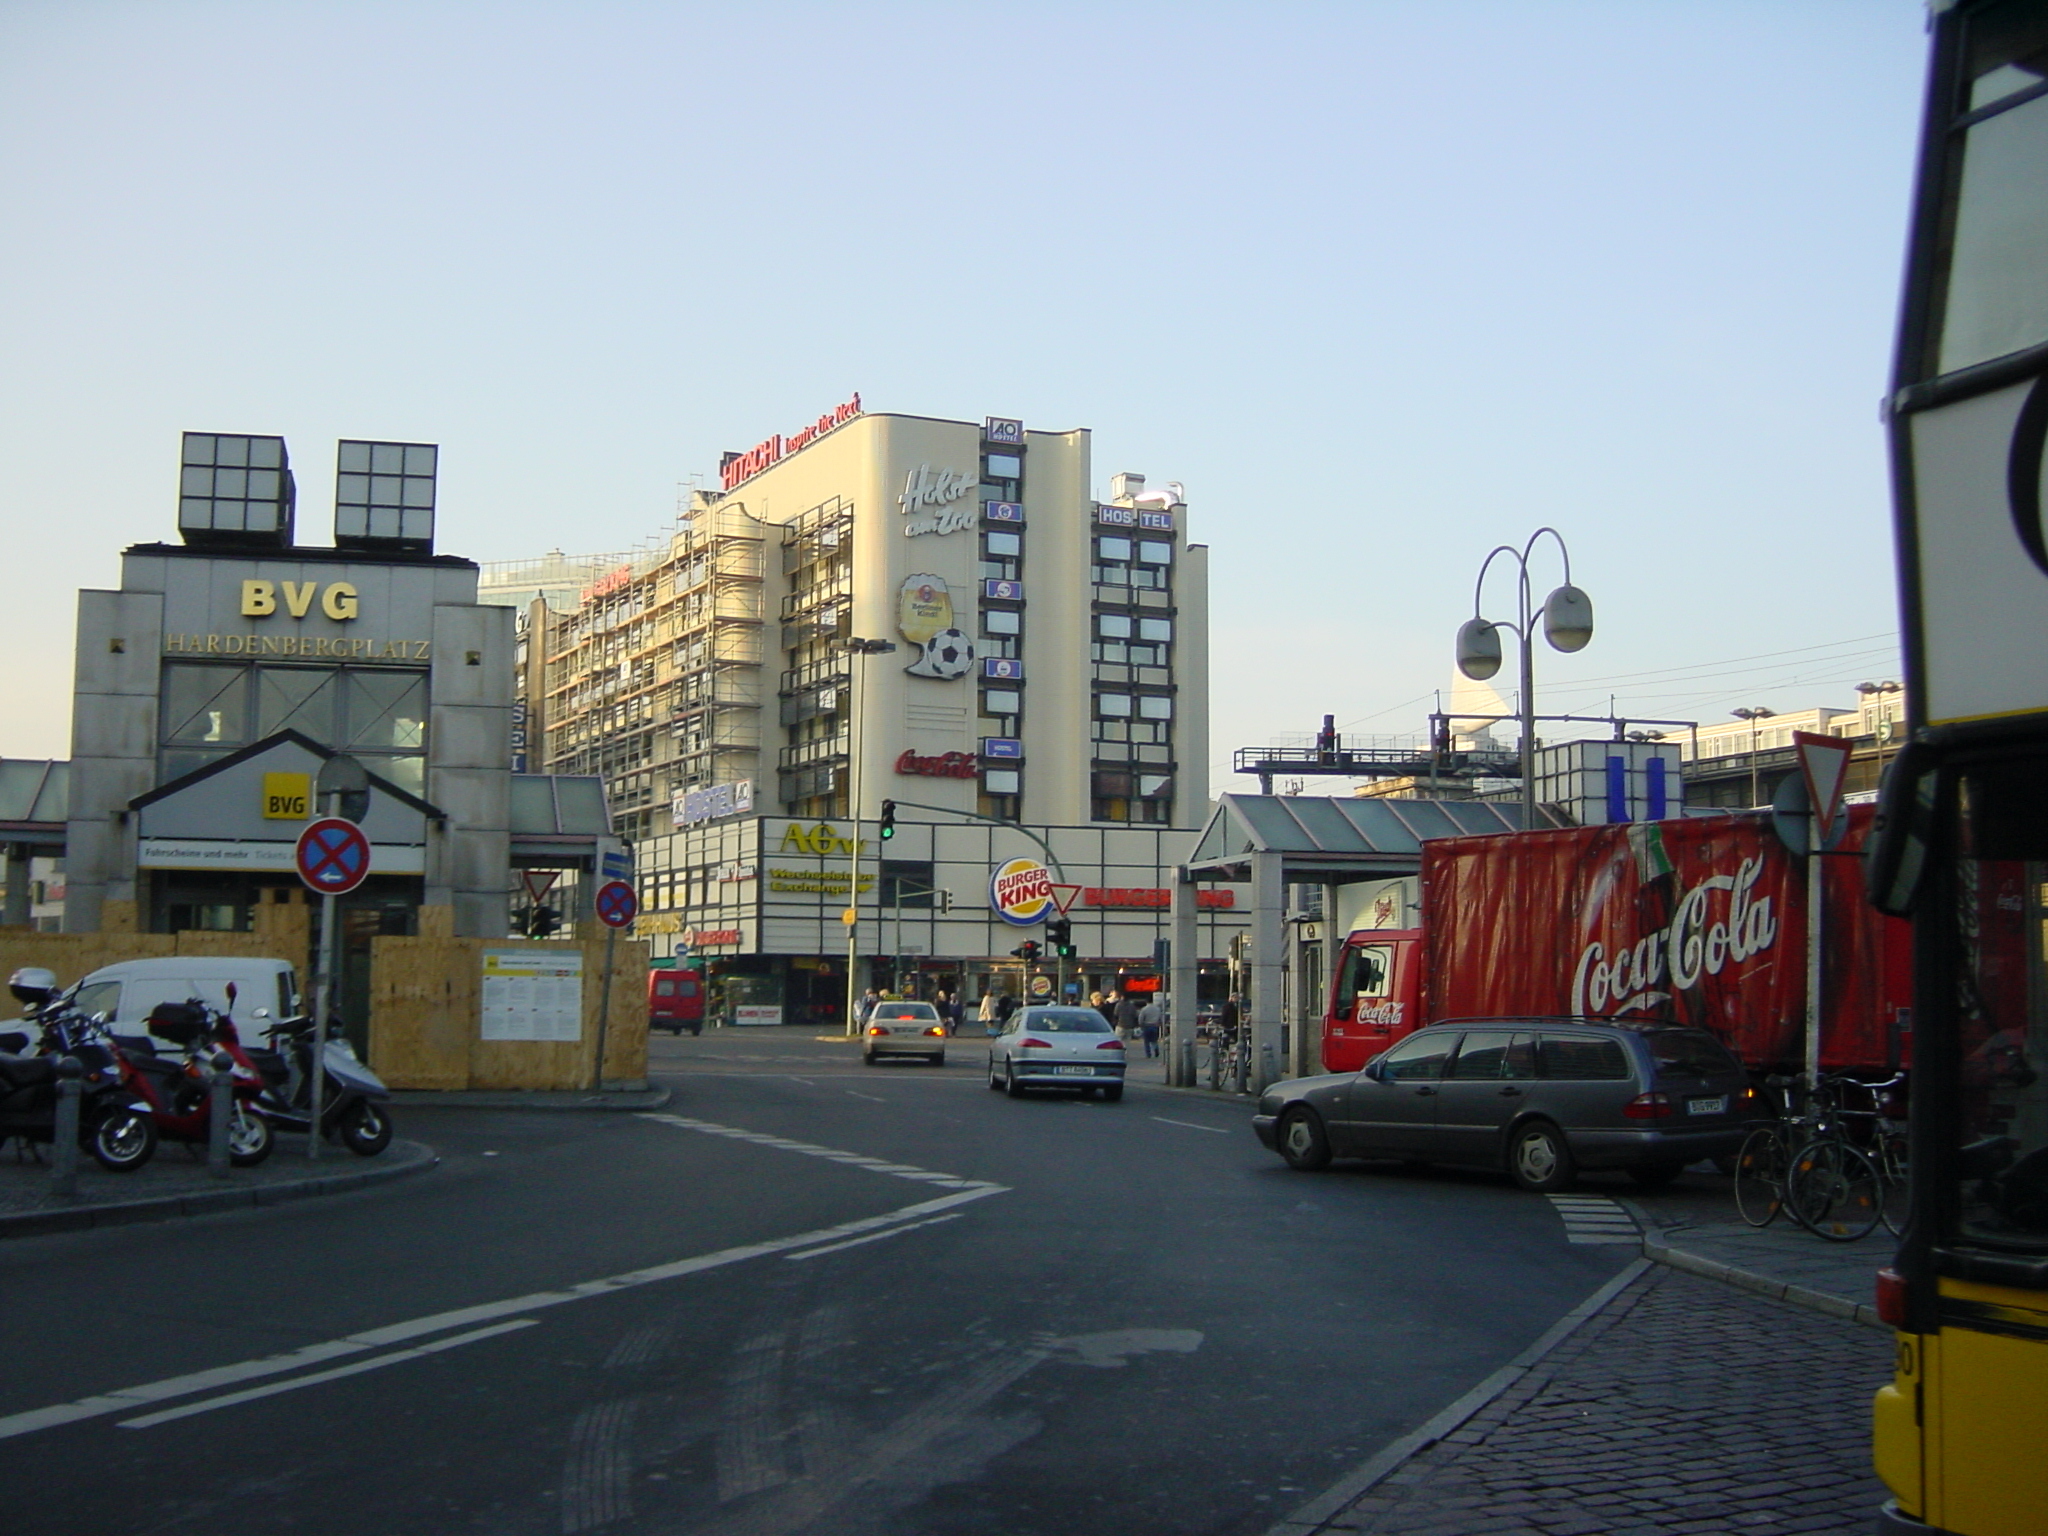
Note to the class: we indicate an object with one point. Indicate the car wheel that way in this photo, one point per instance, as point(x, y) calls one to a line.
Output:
point(867, 1058)
point(1303, 1142)
point(1656, 1175)
point(1113, 1095)
point(1539, 1159)
point(939, 1060)
point(994, 1082)
point(1011, 1086)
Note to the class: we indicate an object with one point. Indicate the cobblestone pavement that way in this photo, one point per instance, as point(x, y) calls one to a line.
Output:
point(1684, 1406)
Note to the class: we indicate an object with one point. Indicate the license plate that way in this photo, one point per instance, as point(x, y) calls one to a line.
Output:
point(1074, 1071)
point(1707, 1106)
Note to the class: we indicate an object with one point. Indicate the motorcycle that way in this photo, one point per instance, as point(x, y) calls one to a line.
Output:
point(177, 1088)
point(355, 1106)
point(113, 1124)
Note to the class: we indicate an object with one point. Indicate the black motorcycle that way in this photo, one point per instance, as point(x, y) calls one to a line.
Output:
point(113, 1125)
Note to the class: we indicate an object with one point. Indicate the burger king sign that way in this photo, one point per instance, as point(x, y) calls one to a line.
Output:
point(1020, 891)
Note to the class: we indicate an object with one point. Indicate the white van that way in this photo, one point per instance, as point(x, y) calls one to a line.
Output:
point(126, 991)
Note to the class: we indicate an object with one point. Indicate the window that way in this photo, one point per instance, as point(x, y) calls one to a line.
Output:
point(1111, 549)
point(1155, 629)
point(1155, 552)
point(1155, 706)
point(1002, 781)
point(1001, 621)
point(1419, 1058)
point(1113, 626)
point(205, 704)
point(1582, 1060)
point(1493, 1054)
point(907, 883)
point(1000, 541)
point(1001, 701)
point(1112, 705)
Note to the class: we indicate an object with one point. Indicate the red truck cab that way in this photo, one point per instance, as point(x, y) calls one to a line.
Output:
point(675, 1001)
point(1376, 997)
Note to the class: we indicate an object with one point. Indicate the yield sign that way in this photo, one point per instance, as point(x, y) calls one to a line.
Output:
point(1063, 897)
point(332, 856)
point(539, 882)
point(1824, 763)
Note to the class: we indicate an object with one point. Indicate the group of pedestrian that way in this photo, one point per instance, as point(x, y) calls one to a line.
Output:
point(1131, 1019)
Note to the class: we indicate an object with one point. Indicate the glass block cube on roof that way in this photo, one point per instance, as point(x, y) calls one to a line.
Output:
point(384, 495)
point(235, 489)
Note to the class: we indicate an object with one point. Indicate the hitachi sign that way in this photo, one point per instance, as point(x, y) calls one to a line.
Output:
point(742, 466)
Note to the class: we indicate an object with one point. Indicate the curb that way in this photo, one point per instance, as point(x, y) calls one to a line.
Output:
point(1804, 1296)
point(1312, 1516)
point(614, 1101)
point(206, 1202)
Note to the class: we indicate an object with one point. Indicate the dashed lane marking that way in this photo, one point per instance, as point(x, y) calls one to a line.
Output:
point(1595, 1219)
point(831, 1154)
point(1217, 1129)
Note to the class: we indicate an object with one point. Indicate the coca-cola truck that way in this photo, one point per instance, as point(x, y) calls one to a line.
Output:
point(1697, 921)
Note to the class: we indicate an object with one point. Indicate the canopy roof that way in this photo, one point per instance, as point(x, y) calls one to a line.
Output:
point(1321, 838)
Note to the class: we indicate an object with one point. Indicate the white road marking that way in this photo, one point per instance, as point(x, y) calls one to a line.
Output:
point(1594, 1219)
point(810, 1149)
point(875, 1237)
point(1216, 1129)
point(354, 1368)
point(129, 1398)
point(868, 1096)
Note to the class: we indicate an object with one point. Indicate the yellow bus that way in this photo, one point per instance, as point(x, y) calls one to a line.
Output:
point(1961, 1433)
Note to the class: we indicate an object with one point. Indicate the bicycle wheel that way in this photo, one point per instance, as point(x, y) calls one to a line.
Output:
point(1890, 1157)
point(1760, 1176)
point(1834, 1190)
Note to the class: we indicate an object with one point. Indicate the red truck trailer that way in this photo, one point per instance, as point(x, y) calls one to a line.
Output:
point(1697, 921)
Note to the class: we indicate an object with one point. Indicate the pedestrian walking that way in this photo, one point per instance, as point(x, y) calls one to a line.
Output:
point(1150, 1018)
point(1126, 1016)
point(863, 1006)
point(987, 1011)
point(1005, 1006)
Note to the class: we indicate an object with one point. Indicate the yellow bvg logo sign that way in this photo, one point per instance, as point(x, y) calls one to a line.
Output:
point(287, 796)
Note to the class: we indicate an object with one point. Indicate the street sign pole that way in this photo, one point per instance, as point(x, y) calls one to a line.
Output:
point(616, 905)
point(342, 780)
point(604, 1008)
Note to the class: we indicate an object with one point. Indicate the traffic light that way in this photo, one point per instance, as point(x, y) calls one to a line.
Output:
point(542, 921)
point(1061, 933)
point(1027, 951)
point(888, 818)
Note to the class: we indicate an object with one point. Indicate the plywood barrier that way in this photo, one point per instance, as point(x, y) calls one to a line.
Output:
point(283, 930)
point(426, 1016)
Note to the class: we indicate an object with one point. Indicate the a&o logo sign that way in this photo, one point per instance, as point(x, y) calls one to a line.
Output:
point(1020, 891)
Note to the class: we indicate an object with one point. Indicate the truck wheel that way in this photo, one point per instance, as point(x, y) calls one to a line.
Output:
point(1303, 1142)
point(1539, 1159)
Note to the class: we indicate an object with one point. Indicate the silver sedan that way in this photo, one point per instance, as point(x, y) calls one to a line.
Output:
point(1057, 1048)
point(904, 1029)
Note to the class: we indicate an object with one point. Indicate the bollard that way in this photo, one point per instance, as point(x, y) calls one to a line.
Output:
point(64, 1142)
point(1269, 1070)
point(219, 1106)
point(1187, 1062)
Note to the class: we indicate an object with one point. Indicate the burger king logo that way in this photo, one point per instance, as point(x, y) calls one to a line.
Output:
point(1020, 891)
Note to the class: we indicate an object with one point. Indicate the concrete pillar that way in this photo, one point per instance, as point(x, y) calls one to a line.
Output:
point(1186, 967)
point(1267, 972)
point(19, 908)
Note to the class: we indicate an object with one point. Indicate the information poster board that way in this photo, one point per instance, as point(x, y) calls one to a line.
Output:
point(757, 1013)
point(533, 994)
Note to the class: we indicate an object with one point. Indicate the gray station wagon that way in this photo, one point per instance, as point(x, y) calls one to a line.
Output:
point(1540, 1099)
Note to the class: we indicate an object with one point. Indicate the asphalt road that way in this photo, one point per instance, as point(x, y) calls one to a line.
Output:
point(807, 1297)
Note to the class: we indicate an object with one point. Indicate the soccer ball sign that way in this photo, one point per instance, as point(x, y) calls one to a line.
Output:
point(947, 656)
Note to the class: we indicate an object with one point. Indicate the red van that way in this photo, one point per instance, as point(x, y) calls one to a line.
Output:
point(675, 1001)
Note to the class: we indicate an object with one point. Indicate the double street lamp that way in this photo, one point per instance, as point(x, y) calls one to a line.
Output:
point(1752, 715)
point(860, 650)
point(1567, 626)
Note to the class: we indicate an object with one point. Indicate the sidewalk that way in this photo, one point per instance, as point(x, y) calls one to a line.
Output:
point(174, 1183)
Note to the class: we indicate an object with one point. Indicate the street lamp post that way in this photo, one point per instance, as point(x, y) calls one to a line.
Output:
point(1752, 715)
point(1567, 626)
point(1887, 718)
point(860, 650)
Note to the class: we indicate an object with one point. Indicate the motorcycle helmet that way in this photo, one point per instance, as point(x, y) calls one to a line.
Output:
point(33, 985)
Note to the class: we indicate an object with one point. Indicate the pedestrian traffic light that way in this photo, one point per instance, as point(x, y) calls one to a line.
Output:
point(1061, 933)
point(888, 818)
point(542, 921)
point(1027, 951)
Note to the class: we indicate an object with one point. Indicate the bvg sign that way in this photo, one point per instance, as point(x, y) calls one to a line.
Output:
point(1020, 891)
point(337, 600)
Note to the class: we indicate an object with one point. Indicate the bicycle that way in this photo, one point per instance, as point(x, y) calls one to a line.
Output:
point(1764, 1159)
point(1832, 1188)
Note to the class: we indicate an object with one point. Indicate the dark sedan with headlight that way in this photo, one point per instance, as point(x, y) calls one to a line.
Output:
point(1539, 1099)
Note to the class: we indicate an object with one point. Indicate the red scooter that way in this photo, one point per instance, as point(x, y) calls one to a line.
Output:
point(175, 1088)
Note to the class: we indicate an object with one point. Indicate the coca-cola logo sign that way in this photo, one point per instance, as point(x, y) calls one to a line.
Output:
point(947, 765)
point(1720, 920)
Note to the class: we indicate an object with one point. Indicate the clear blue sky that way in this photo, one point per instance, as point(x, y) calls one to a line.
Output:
point(1384, 285)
